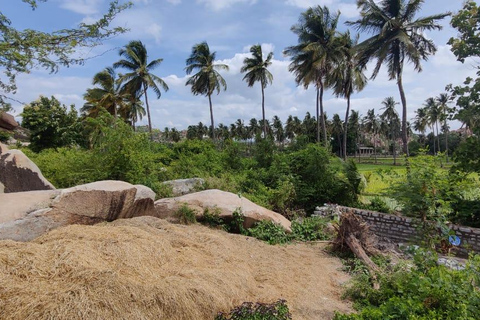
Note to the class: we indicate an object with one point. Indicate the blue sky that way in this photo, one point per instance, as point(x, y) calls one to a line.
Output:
point(169, 29)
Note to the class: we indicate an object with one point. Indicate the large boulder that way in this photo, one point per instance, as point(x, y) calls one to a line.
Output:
point(27, 215)
point(7, 121)
point(225, 203)
point(18, 173)
point(184, 186)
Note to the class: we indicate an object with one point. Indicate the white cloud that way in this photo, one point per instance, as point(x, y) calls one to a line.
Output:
point(155, 31)
point(217, 5)
point(86, 7)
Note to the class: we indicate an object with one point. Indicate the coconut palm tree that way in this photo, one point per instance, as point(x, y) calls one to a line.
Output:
point(348, 77)
point(278, 130)
point(434, 115)
point(420, 123)
point(207, 79)
point(371, 124)
point(256, 70)
point(397, 37)
point(443, 99)
point(106, 95)
point(391, 123)
point(337, 130)
point(312, 57)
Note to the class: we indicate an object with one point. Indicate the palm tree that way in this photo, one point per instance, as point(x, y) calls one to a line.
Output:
point(278, 130)
point(312, 57)
point(133, 111)
point(337, 129)
point(433, 114)
point(207, 79)
point(107, 95)
point(372, 125)
point(256, 70)
point(443, 99)
point(391, 122)
point(420, 123)
point(398, 36)
point(348, 77)
point(139, 77)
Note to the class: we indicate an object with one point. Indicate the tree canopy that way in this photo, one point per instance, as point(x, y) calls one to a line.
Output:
point(21, 50)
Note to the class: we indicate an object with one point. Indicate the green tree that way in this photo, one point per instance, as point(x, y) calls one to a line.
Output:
point(256, 70)
point(139, 77)
point(420, 123)
point(348, 77)
point(207, 79)
point(337, 130)
point(372, 125)
point(398, 37)
point(392, 123)
point(313, 56)
point(21, 50)
point(51, 124)
point(467, 22)
point(433, 114)
point(443, 100)
point(107, 95)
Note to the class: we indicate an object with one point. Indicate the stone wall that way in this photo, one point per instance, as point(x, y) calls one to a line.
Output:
point(407, 230)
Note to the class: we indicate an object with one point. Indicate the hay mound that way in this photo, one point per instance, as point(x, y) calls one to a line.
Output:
point(146, 268)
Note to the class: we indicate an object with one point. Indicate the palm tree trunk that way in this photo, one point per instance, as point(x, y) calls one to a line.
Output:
point(324, 127)
point(375, 146)
point(211, 117)
point(434, 146)
point(446, 139)
point(404, 113)
point(345, 129)
point(394, 150)
point(148, 112)
point(438, 137)
point(318, 114)
point(263, 114)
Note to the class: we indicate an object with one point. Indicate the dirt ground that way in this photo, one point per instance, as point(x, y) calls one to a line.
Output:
point(147, 268)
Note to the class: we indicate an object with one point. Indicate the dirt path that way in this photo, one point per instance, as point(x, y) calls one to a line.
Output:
point(146, 268)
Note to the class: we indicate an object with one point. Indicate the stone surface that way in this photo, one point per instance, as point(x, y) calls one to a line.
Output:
point(27, 215)
point(18, 173)
point(7, 121)
point(224, 202)
point(184, 186)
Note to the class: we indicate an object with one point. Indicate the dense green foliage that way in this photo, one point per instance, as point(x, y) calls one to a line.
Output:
point(51, 124)
point(258, 311)
point(418, 290)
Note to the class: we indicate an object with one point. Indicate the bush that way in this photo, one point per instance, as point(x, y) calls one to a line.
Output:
point(377, 204)
point(5, 136)
point(270, 232)
point(258, 311)
point(310, 229)
point(424, 290)
point(186, 215)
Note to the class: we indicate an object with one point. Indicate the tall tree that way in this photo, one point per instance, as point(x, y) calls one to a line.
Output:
point(392, 123)
point(337, 130)
point(348, 77)
point(256, 71)
point(372, 125)
point(312, 57)
point(207, 79)
point(397, 36)
point(443, 99)
point(139, 77)
point(106, 95)
point(433, 115)
point(420, 123)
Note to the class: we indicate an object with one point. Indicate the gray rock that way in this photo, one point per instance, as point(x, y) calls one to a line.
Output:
point(224, 203)
point(26, 215)
point(7, 121)
point(184, 186)
point(18, 173)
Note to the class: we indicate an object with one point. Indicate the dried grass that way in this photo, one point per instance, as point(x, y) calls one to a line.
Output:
point(146, 268)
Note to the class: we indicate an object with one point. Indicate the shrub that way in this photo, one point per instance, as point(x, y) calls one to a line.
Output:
point(377, 204)
point(5, 136)
point(423, 290)
point(186, 215)
point(270, 232)
point(310, 229)
point(258, 311)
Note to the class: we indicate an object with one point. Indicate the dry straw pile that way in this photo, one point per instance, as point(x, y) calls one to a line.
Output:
point(146, 268)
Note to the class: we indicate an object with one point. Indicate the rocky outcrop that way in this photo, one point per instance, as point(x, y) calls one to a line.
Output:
point(27, 215)
point(7, 121)
point(225, 203)
point(18, 173)
point(184, 186)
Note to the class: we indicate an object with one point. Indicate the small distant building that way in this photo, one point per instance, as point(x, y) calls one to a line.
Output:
point(365, 151)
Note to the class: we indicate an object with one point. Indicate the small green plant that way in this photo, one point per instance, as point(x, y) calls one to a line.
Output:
point(186, 215)
point(258, 311)
point(236, 225)
point(5, 136)
point(310, 229)
point(211, 218)
point(378, 204)
point(270, 232)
